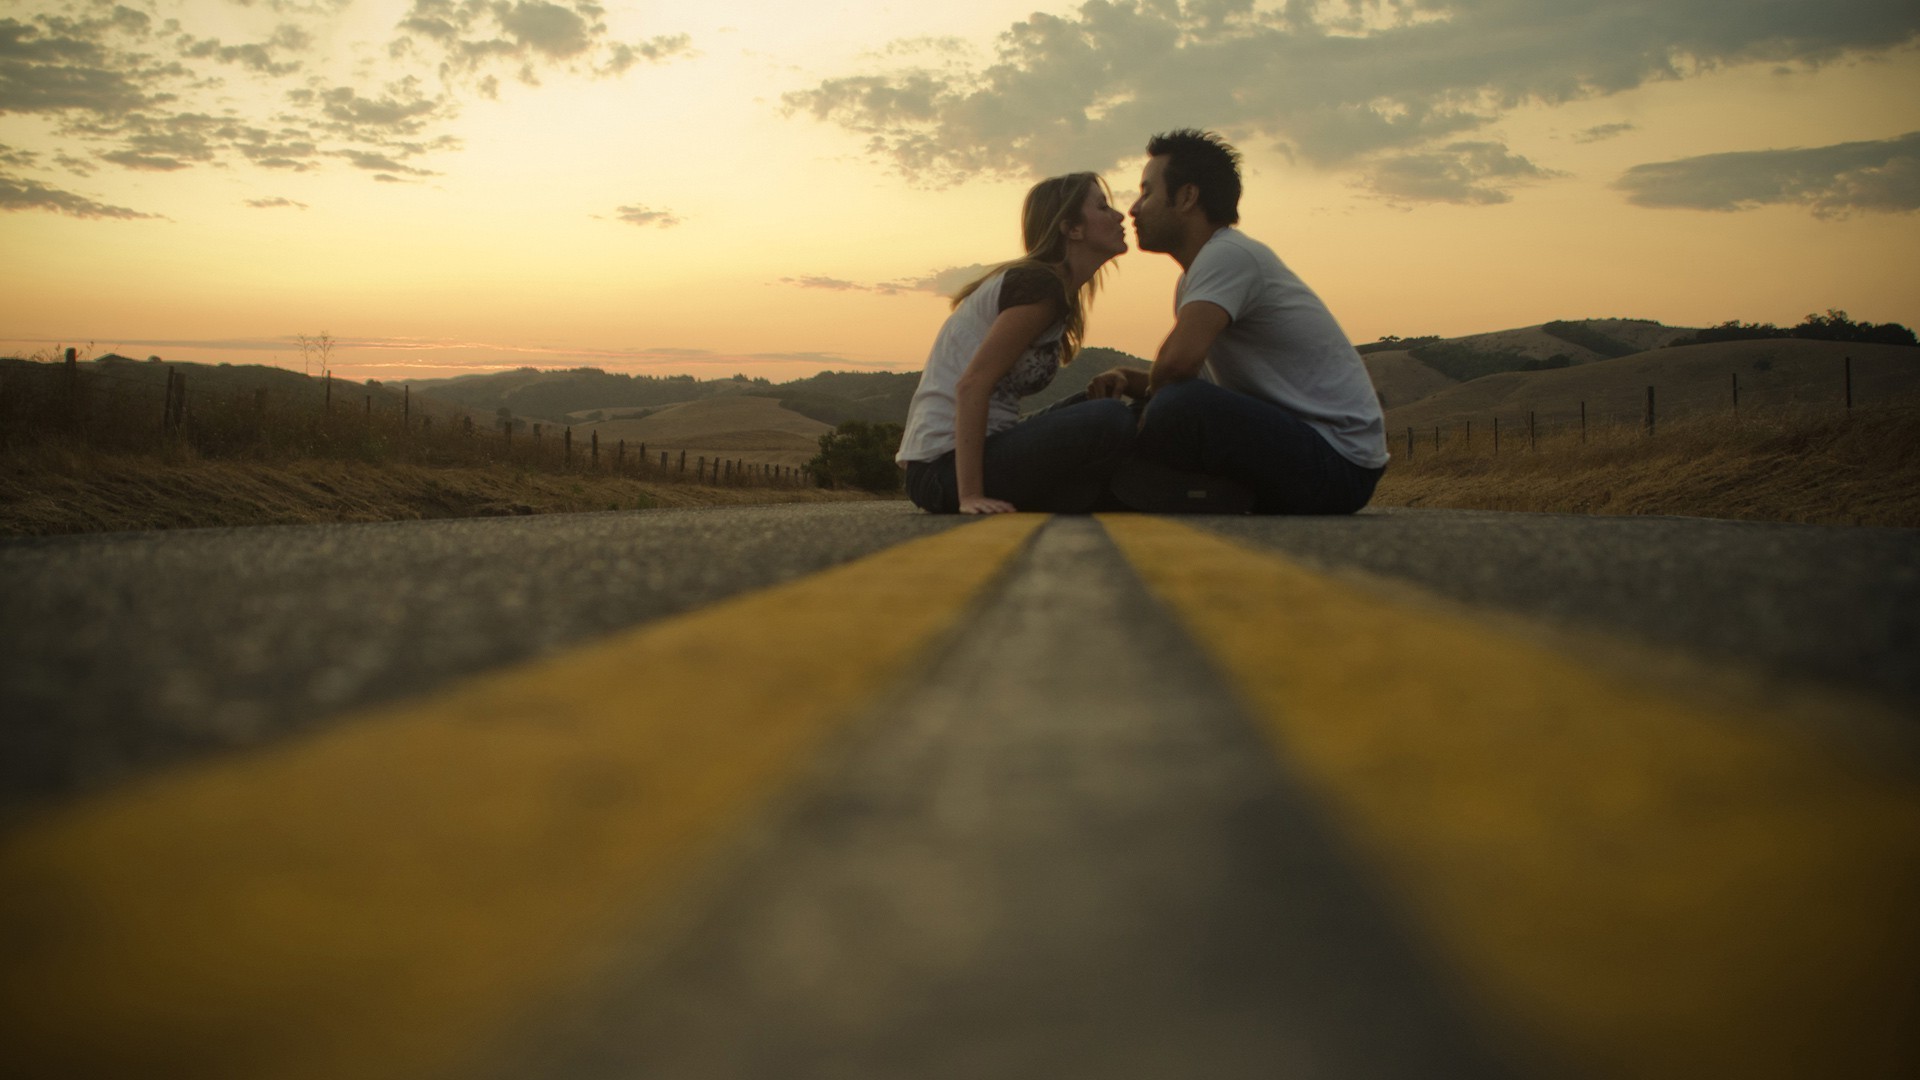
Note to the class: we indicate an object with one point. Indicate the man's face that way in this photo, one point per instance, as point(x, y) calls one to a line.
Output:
point(1155, 224)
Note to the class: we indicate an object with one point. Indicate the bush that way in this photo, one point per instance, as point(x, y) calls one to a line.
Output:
point(859, 455)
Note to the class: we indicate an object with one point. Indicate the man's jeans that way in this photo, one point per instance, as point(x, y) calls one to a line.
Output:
point(1198, 427)
point(1056, 461)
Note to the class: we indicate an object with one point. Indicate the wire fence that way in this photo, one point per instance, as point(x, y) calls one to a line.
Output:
point(1644, 411)
point(150, 407)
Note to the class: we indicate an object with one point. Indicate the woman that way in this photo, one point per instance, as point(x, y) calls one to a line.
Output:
point(965, 448)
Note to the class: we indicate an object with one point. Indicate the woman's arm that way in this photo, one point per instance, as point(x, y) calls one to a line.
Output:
point(1012, 331)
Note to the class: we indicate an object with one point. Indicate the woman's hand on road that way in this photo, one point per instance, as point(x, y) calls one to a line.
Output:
point(980, 504)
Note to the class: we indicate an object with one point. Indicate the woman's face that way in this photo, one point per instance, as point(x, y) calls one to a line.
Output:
point(1101, 227)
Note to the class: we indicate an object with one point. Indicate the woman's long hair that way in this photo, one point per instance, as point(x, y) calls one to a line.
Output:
point(1051, 208)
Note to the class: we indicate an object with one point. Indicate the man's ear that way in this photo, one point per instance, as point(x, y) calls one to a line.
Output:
point(1187, 197)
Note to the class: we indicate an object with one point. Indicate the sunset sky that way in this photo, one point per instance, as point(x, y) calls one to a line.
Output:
point(447, 186)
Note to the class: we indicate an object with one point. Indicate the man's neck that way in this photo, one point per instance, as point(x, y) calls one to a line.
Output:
point(1196, 239)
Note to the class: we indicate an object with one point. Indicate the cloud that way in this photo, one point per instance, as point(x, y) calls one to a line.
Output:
point(641, 215)
point(940, 282)
point(817, 281)
point(276, 202)
point(1469, 173)
point(1335, 84)
point(472, 35)
point(1832, 181)
point(21, 193)
point(1601, 132)
point(150, 87)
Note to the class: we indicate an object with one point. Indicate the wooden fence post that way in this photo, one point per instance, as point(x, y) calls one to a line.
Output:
point(1849, 363)
point(1735, 376)
point(406, 405)
point(596, 448)
point(620, 456)
point(683, 461)
point(327, 381)
point(1529, 429)
point(1583, 423)
point(369, 406)
point(166, 406)
point(1496, 435)
point(1409, 442)
point(1649, 410)
point(566, 444)
point(73, 388)
point(1436, 438)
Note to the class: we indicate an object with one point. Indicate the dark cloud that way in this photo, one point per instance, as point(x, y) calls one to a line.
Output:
point(1832, 181)
point(471, 35)
point(1601, 132)
point(1471, 173)
point(1376, 77)
point(276, 202)
point(261, 57)
point(21, 193)
point(641, 215)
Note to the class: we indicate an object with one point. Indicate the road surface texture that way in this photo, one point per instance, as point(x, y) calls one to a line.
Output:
point(851, 791)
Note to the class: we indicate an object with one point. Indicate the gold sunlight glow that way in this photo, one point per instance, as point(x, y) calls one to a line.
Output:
point(684, 215)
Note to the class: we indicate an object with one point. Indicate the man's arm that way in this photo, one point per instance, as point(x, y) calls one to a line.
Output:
point(1185, 349)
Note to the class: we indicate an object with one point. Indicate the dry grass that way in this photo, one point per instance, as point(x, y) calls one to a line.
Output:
point(1800, 465)
point(48, 489)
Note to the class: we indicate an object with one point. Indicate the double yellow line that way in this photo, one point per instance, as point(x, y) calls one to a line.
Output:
point(1634, 885)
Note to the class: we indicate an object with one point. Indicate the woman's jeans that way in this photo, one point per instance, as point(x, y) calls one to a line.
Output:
point(1195, 426)
point(1056, 461)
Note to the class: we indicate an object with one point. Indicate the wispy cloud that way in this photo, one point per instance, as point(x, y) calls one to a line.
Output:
point(637, 214)
point(1340, 85)
point(22, 193)
point(939, 282)
point(275, 203)
point(1831, 181)
point(1469, 173)
point(1601, 132)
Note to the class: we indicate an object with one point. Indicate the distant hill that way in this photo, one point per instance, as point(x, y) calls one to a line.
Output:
point(745, 427)
point(556, 395)
point(834, 397)
point(1687, 379)
point(1405, 372)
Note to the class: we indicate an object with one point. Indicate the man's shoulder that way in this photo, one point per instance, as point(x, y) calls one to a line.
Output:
point(1230, 250)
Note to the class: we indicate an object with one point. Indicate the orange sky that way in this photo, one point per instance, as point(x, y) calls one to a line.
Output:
point(447, 186)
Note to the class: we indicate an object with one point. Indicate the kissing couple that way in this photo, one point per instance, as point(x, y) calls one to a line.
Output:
point(1256, 401)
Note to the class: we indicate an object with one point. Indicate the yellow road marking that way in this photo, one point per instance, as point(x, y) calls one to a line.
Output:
point(1651, 889)
point(373, 901)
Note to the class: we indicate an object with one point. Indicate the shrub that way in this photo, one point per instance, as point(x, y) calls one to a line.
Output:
point(859, 455)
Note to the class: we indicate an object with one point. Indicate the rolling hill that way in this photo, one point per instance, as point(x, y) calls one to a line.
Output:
point(1688, 379)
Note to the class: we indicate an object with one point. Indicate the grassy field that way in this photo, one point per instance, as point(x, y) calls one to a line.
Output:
point(1799, 465)
point(48, 490)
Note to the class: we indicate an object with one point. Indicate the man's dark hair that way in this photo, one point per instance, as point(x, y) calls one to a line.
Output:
point(1205, 160)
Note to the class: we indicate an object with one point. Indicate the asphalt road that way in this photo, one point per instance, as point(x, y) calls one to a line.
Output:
point(853, 791)
point(125, 652)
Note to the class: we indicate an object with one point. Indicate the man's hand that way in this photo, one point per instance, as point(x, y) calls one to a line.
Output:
point(1118, 382)
point(980, 504)
point(1194, 329)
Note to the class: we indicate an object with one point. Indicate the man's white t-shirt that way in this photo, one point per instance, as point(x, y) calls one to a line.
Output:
point(1283, 345)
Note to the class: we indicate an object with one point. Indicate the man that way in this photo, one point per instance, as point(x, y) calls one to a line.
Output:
point(1257, 384)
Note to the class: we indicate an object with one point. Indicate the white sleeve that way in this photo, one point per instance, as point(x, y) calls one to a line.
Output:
point(1221, 275)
